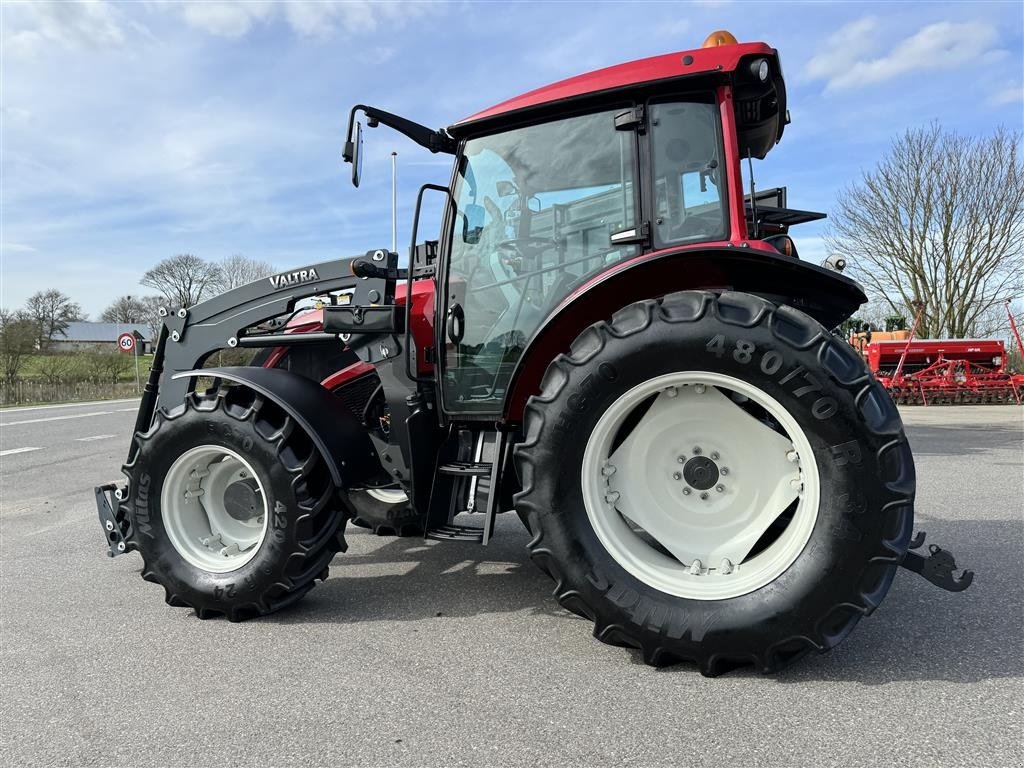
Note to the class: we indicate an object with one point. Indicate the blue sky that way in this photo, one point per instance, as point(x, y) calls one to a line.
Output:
point(134, 131)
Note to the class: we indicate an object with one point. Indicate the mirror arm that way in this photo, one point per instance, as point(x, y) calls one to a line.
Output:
point(435, 141)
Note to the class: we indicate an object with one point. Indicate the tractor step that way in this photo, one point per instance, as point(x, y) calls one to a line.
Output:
point(466, 482)
point(465, 469)
point(456, 533)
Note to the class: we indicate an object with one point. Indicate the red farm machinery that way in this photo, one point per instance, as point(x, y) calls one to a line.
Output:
point(608, 339)
point(944, 371)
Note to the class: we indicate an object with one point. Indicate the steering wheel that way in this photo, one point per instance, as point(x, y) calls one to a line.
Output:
point(520, 250)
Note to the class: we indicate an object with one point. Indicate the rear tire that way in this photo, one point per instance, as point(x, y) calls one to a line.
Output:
point(383, 516)
point(840, 564)
point(296, 497)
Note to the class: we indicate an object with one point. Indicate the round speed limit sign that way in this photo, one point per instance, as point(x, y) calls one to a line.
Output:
point(126, 342)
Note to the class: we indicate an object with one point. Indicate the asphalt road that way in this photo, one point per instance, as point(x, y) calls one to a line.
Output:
point(451, 654)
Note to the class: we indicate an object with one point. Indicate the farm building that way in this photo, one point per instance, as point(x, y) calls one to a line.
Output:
point(83, 335)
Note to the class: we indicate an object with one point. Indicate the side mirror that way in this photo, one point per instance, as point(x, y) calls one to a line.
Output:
point(506, 188)
point(355, 152)
point(473, 219)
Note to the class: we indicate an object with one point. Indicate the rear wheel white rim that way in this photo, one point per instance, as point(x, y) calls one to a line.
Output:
point(196, 517)
point(650, 503)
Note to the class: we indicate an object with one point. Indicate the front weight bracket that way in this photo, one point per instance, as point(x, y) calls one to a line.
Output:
point(938, 567)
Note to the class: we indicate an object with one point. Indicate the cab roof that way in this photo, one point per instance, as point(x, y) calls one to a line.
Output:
point(668, 66)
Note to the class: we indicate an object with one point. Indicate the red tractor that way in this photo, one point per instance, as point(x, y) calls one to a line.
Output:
point(608, 337)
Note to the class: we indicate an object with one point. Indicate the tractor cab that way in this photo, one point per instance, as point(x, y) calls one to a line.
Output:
point(555, 187)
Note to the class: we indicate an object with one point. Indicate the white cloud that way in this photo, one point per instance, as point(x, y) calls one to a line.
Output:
point(226, 19)
point(850, 58)
point(1010, 94)
point(311, 18)
point(17, 248)
point(31, 28)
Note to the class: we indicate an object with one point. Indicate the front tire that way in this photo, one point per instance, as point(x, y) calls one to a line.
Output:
point(646, 536)
point(231, 506)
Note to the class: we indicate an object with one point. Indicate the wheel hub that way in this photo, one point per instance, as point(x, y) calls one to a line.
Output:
point(701, 473)
point(242, 500)
point(214, 508)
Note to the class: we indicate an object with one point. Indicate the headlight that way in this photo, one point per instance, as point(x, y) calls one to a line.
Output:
point(759, 69)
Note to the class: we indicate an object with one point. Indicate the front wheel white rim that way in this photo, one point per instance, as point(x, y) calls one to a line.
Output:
point(711, 493)
point(214, 508)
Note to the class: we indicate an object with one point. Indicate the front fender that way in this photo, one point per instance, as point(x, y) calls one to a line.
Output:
point(336, 433)
point(825, 295)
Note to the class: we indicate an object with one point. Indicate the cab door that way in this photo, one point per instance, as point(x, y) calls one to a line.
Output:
point(536, 211)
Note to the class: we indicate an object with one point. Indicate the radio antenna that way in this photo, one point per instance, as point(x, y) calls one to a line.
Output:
point(394, 202)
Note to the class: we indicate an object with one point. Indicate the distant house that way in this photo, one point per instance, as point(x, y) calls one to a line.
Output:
point(83, 335)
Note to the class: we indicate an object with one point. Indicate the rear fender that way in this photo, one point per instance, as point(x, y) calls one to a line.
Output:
point(825, 295)
point(337, 434)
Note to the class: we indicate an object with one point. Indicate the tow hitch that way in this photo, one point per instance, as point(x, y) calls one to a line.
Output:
point(116, 527)
point(938, 567)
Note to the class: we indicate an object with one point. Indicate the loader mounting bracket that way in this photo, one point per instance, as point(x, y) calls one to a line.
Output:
point(115, 524)
point(938, 567)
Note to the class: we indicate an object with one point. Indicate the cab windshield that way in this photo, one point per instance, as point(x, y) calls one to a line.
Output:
point(536, 211)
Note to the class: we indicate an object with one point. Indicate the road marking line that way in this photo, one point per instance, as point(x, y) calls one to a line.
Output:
point(12, 451)
point(68, 405)
point(55, 418)
point(92, 437)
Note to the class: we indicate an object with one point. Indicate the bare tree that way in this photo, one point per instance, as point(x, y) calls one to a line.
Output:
point(17, 342)
point(51, 311)
point(185, 279)
point(940, 219)
point(152, 317)
point(126, 309)
point(239, 270)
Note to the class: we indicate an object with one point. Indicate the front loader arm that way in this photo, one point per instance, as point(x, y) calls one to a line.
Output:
point(190, 335)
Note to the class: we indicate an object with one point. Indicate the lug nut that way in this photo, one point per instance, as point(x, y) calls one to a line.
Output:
point(726, 566)
point(793, 456)
point(720, 488)
point(796, 483)
point(608, 470)
point(697, 451)
point(677, 475)
point(723, 471)
point(671, 392)
point(682, 459)
point(686, 491)
point(695, 567)
point(704, 495)
point(699, 389)
point(714, 456)
point(612, 497)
